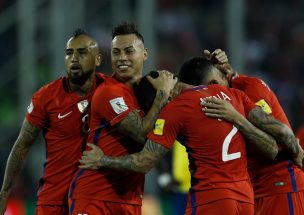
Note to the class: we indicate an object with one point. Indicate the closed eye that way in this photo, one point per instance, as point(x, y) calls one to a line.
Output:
point(68, 52)
point(213, 82)
point(130, 51)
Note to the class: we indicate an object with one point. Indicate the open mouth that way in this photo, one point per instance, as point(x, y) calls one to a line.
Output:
point(123, 67)
point(75, 69)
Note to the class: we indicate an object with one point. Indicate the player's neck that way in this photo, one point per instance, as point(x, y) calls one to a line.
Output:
point(84, 89)
point(128, 81)
point(131, 82)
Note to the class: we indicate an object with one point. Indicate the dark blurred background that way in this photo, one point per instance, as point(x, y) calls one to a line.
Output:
point(261, 38)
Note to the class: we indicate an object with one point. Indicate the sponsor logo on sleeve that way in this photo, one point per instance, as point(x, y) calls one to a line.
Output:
point(263, 104)
point(118, 105)
point(159, 127)
point(30, 108)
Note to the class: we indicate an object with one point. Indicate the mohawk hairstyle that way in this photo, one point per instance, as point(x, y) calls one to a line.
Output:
point(126, 28)
point(79, 32)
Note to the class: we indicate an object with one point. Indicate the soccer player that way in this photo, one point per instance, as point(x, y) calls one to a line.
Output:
point(180, 180)
point(119, 128)
point(278, 185)
point(60, 110)
point(217, 154)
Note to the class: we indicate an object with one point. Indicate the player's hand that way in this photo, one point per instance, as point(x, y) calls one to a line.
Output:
point(91, 159)
point(299, 158)
point(220, 109)
point(165, 81)
point(227, 70)
point(220, 60)
point(3, 201)
point(179, 87)
point(218, 56)
point(168, 183)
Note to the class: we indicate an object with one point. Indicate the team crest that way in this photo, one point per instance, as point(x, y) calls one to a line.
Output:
point(82, 105)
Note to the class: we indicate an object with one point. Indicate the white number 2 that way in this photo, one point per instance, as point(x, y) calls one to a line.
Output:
point(227, 141)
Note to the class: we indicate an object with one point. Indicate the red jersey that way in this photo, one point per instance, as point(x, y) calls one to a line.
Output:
point(111, 102)
point(216, 150)
point(60, 114)
point(300, 135)
point(280, 175)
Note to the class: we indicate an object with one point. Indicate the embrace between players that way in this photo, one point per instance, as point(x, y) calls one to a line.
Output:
point(244, 157)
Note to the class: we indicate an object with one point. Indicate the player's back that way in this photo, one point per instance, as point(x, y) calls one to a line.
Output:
point(216, 150)
point(280, 175)
point(215, 144)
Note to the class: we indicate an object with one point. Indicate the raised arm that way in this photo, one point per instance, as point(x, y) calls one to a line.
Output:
point(136, 127)
point(16, 160)
point(219, 58)
point(142, 161)
point(260, 140)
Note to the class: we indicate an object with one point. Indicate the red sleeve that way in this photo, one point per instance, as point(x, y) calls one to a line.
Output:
point(36, 114)
point(245, 100)
point(167, 126)
point(257, 90)
point(115, 103)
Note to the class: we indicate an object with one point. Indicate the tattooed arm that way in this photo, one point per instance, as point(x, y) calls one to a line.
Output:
point(282, 133)
point(260, 140)
point(136, 127)
point(16, 160)
point(142, 161)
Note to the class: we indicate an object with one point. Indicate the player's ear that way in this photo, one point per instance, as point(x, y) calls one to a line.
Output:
point(98, 60)
point(146, 55)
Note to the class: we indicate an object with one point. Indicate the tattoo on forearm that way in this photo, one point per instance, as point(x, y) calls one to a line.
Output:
point(290, 143)
point(161, 98)
point(263, 142)
point(277, 129)
point(140, 162)
point(132, 126)
point(19, 153)
point(160, 101)
point(136, 127)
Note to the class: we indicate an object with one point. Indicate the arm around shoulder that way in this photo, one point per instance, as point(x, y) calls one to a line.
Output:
point(137, 127)
point(281, 132)
point(142, 161)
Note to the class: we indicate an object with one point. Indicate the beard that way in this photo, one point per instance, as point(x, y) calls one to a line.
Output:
point(80, 79)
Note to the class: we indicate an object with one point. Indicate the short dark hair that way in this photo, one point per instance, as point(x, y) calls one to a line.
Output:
point(78, 32)
point(145, 92)
point(194, 70)
point(126, 28)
